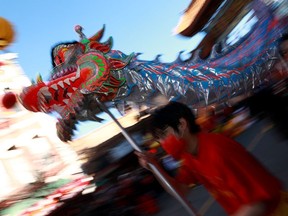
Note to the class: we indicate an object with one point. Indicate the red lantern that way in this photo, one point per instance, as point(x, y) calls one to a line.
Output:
point(9, 100)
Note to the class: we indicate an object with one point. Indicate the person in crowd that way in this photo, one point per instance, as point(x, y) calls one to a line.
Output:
point(236, 179)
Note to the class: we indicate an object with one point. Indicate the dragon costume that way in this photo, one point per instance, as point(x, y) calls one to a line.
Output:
point(89, 69)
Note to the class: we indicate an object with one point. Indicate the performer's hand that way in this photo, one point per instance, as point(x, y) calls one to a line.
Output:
point(146, 158)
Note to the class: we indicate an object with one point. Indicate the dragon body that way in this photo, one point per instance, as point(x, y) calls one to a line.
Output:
point(89, 69)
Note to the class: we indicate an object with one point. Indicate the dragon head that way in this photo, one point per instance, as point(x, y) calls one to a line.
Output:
point(81, 72)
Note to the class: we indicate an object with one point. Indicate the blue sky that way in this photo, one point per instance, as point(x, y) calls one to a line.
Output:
point(136, 26)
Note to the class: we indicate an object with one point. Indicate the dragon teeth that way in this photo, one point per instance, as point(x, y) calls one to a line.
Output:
point(78, 72)
point(60, 83)
point(66, 101)
point(54, 86)
point(67, 81)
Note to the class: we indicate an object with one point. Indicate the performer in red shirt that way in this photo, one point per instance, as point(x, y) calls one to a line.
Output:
point(240, 184)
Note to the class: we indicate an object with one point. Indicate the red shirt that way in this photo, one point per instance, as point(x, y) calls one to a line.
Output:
point(230, 173)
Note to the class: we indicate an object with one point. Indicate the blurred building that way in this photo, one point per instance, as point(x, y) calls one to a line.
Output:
point(223, 21)
point(216, 19)
point(30, 150)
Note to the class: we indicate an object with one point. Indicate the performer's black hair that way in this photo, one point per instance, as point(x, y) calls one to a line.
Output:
point(170, 115)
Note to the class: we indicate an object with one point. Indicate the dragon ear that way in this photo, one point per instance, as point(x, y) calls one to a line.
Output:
point(98, 35)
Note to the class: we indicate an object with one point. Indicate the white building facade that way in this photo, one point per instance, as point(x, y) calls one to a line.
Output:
point(30, 150)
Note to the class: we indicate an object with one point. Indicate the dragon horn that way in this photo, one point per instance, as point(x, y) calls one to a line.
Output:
point(39, 78)
point(98, 35)
point(79, 29)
